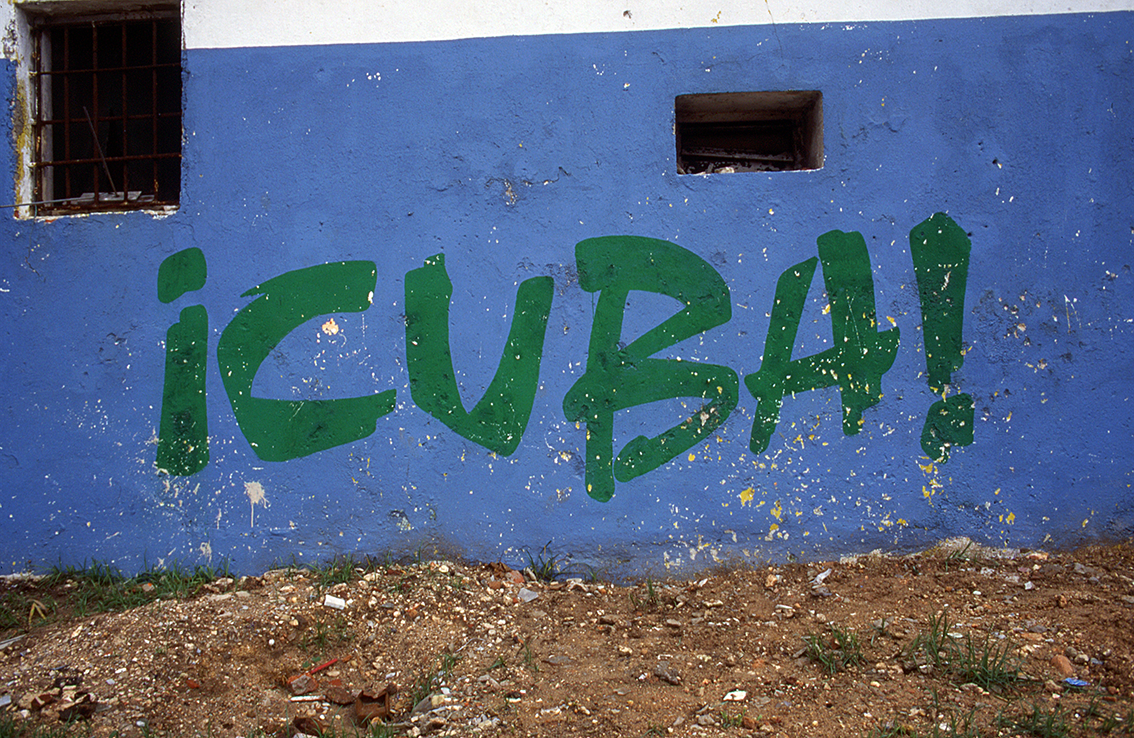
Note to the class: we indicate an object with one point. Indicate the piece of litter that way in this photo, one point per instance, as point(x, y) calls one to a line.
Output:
point(1073, 682)
point(320, 667)
point(736, 695)
point(335, 602)
point(526, 594)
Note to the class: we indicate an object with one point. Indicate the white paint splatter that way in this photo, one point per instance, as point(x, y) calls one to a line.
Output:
point(255, 492)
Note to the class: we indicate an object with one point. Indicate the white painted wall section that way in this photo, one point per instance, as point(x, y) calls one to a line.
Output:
point(246, 23)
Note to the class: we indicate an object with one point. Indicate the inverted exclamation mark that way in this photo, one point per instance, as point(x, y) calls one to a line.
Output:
point(940, 251)
point(183, 440)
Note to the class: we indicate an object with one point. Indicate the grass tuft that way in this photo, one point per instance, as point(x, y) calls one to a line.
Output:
point(991, 665)
point(650, 600)
point(1040, 723)
point(546, 566)
point(837, 651)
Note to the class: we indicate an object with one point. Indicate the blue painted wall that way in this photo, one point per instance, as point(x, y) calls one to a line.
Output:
point(502, 154)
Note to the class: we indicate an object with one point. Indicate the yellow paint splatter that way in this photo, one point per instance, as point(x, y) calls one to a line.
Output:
point(777, 511)
point(692, 456)
point(746, 496)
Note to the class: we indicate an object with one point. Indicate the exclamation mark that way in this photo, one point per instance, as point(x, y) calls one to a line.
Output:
point(183, 441)
point(940, 251)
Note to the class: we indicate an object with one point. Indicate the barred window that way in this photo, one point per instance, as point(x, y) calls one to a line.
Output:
point(106, 112)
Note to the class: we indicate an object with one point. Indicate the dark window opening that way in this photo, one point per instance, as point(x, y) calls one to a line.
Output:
point(749, 131)
point(107, 112)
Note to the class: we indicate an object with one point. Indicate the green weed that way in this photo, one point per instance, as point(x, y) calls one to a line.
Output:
point(837, 651)
point(649, 601)
point(101, 587)
point(20, 611)
point(731, 719)
point(1041, 724)
point(11, 728)
point(325, 634)
point(544, 565)
point(958, 556)
point(528, 657)
point(431, 681)
point(892, 730)
point(1113, 723)
point(992, 665)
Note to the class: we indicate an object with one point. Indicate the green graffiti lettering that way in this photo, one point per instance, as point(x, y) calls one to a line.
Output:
point(182, 272)
point(498, 421)
point(860, 355)
point(619, 378)
point(183, 436)
point(279, 430)
point(940, 250)
point(183, 440)
point(948, 423)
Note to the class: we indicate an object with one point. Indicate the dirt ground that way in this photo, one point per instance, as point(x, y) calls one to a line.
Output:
point(956, 641)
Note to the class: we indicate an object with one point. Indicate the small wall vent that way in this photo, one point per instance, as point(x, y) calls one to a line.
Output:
point(749, 131)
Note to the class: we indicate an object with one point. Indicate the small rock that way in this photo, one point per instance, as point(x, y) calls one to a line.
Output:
point(38, 701)
point(736, 695)
point(82, 708)
point(663, 672)
point(301, 684)
point(373, 704)
point(1063, 665)
point(675, 624)
point(526, 594)
point(339, 695)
